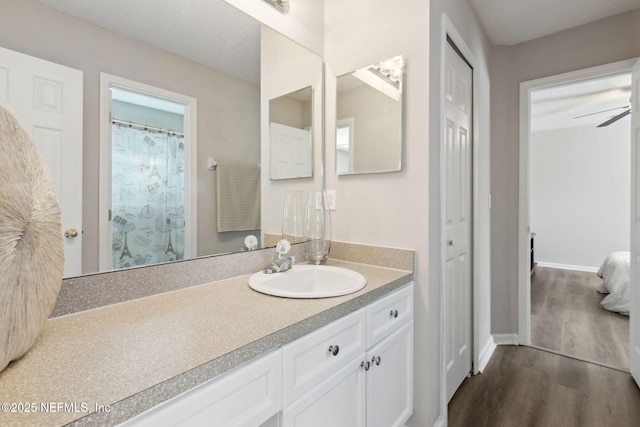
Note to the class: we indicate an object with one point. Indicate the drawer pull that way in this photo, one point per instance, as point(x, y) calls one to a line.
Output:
point(365, 365)
point(394, 313)
point(334, 350)
point(376, 360)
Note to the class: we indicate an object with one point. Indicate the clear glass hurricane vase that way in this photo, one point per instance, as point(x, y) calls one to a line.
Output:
point(293, 216)
point(317, 228)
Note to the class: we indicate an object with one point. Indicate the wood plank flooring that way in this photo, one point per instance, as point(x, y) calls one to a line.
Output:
point(566, 317)
point(525, 386)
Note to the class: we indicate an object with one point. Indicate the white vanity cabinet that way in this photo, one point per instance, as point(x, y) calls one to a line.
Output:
point(371, 388)
point(356, 371)
point(246, 396)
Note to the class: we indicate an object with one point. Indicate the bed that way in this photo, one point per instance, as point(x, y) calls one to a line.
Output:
point(614, 272)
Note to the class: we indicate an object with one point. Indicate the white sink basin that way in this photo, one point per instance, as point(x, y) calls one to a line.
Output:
point(309, 281)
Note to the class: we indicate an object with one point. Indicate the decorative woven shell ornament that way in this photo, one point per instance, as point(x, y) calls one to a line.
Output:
point(31, 247)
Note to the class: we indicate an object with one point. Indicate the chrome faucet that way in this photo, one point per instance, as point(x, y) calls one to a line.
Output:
point(281, 262)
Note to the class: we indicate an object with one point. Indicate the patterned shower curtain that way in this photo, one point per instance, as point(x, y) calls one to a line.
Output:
point(147, 197)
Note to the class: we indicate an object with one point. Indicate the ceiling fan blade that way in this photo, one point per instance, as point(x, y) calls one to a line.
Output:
point(600, 112)
point(615, 118)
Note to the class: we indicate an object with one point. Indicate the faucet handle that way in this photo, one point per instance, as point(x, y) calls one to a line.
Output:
point(251, 242)
point(283, 247)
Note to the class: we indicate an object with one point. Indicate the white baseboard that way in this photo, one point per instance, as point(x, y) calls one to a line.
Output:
point(506, 339)
point(485, 354)
point(568, 266)
point(441, 421)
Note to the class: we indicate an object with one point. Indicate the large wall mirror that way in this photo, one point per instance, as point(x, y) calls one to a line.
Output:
point(218, 61)
point(369, 119)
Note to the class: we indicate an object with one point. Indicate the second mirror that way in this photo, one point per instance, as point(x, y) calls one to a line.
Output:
point(369, 119)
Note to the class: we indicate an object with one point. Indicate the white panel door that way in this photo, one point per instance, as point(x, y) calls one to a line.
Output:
point(290, 152)
point(457, 219)
point(46, 98)
point(634, 311)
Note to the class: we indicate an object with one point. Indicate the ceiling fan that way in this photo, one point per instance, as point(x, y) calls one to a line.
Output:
point(626, 112)
point(617, 117)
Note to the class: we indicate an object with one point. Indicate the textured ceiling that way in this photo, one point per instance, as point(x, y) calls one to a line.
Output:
point(206, 31)
point(595, 100)
point(509, 22)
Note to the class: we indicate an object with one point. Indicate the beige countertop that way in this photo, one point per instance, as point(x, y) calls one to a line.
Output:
point(105, 365)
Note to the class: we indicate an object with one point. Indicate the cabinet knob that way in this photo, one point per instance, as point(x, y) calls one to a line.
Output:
point(376, 360)
point(365, 365)
point(334, 350)
point(394, 313)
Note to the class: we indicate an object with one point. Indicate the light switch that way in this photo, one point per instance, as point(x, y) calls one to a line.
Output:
point(331, 200)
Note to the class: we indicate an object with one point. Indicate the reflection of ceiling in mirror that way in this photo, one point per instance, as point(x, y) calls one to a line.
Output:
point(303, 95)
point(371, 77)
point(348, 82)
point(205, 31)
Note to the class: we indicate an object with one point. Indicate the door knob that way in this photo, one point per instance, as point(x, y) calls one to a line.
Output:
point(71, 233)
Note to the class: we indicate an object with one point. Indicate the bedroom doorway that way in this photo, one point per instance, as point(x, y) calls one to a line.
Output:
point(575, 202)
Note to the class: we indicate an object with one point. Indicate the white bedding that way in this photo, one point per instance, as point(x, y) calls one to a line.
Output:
point(615, 274)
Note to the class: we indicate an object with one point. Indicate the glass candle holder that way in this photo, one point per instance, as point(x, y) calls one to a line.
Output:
point(317, 228)
point(293, 216)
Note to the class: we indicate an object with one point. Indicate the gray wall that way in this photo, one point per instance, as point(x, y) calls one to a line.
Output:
point(602, 42)
point(580, 186)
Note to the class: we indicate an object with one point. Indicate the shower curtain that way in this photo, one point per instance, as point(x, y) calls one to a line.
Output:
point(147, 197)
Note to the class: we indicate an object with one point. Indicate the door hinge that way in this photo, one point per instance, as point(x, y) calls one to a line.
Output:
point(109, 214)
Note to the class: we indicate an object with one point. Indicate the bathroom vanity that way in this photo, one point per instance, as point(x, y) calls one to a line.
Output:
point(224, 352)
point(355, 371)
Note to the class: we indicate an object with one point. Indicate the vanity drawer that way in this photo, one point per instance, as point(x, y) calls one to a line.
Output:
point(248, 395)
point(313, 358)
point(388, 314)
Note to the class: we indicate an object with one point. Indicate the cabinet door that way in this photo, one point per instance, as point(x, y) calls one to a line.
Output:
point(390, 380)
point(337, 402)
point(247, 395)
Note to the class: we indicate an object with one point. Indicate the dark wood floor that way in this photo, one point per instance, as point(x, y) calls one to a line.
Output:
point(566, 316)
point(524, 386)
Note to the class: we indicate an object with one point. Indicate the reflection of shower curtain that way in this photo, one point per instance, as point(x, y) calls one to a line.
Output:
point(147, 197)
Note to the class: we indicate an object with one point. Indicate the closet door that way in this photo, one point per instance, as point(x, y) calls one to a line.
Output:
point(458, 217)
